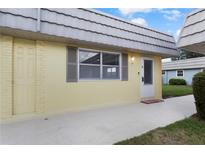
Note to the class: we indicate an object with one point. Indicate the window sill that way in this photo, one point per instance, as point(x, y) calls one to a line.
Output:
point(99, 80)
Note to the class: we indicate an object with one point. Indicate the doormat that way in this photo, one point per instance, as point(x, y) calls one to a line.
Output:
point(152, 101)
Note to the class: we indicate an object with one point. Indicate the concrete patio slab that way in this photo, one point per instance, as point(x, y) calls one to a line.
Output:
point(99, 126)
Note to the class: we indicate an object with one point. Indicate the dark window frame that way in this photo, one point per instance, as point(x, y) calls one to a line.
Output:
point(180, 74)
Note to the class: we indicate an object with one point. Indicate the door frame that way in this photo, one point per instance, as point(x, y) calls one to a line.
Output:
point(142, 75)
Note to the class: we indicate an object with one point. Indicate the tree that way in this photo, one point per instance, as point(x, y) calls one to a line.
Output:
point(187, 54)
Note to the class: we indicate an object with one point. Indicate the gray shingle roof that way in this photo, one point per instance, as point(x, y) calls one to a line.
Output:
point(90, 26)
point(192, 35)
point(184, 64)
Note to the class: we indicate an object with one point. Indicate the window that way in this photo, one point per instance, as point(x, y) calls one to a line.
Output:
point(98, 65)
point(110, 66)
point(163, 72)
point(180, 73)
point(89, 65)
point(148, 72)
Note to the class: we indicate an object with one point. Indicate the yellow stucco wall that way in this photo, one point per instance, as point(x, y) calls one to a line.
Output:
point(54, 94)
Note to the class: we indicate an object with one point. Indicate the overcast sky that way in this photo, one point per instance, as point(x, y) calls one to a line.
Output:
point(165, 20)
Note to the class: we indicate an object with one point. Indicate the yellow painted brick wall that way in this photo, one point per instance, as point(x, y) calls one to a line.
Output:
point(54, 94)
point(83, 94)
point(5, 76)
point(158, 77)
point(40, 76)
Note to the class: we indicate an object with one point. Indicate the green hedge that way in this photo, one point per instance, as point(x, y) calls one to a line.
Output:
point(177, 81)
point(199, 93)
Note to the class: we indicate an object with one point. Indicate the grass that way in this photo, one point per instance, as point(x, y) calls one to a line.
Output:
point(189, 131)
point(174, 91)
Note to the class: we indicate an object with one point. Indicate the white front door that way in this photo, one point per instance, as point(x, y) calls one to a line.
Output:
point(147, 80)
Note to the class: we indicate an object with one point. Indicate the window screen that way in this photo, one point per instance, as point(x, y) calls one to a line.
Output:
point(89, 72)
point(110, 72)
point(89, 65)
point(110, 66)
point(89, 57)
point(148, 75)
point(110, 59)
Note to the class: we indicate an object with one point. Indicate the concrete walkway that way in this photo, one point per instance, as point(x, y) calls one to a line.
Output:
point(100, 126)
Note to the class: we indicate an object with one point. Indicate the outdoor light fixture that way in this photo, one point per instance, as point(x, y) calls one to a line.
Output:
point(132, 58)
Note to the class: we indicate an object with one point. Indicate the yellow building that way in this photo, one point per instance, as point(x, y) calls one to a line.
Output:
point(57, 60)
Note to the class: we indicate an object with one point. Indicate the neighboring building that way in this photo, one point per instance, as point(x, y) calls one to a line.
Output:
point(71, 59)
point(185, 69)
point(192, 36)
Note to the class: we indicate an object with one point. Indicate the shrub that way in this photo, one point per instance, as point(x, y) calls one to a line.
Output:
point(177, 81)
point(198, 84)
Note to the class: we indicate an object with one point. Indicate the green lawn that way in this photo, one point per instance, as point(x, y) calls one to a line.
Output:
point(174, 91)
point(188, 131)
